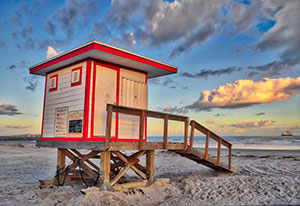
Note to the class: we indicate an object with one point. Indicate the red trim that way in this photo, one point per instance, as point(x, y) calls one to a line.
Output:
point(86, 100)
point(80, 76)
point(64, 138)
point(45, 91)
point(56, 82)
point(146, 82)
point(104, 49)
point(63, 58)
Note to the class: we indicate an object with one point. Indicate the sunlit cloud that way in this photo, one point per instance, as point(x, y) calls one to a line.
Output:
point(210, 121)
point(253, 124)
point(51, 52)
point(244, 93)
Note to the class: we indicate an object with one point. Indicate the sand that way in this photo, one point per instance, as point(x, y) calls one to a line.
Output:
point(263, 178)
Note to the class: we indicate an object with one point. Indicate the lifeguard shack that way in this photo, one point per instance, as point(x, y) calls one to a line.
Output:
point(96, 98)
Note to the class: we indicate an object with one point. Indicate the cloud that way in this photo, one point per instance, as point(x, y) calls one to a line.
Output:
point(209, 121)
point(168, 81)
point(204, 73)
point(66, 18)
point(51, 52)
point(287, 61)
point(11, 67)
point(122, 12)
point(199, 36)
point(8, 109)
point(33, 83)
point(126, 40)
point(178, 110)
point(244, 93)
point(154, 81)
point(286, 31)
point(253, 124)
point(260, 113)
point(100, 29)
point(17, 127)
point(2, 44)
point(184, 87)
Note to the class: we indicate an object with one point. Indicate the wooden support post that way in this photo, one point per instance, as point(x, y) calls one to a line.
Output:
point(61, 162)
point(108, 126)
point(207, 145)
point(165, 131)
point(150, 166)
point(219, 151)
point(229, 156)
point(105, 169)
point(192, 136)
point(142, 129)
point(186, 130)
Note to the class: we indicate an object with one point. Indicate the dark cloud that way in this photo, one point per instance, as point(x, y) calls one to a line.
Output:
point(184, 87)
point(168, 81)
point(17, 127)
point(2, 43)
point(220, 115)
point(8, 109)
point(74, 13)
point(260, 113)
point(286, 31)
point(286, 61)
point(200, 36)
point(172, 87)
point(204, 73)
point(100, 29)
point(11, 67)
point(33, 83)
point(122, 12)
point(154, 81)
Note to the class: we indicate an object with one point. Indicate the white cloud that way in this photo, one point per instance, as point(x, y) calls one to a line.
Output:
point(253, 124)
point(51, 52)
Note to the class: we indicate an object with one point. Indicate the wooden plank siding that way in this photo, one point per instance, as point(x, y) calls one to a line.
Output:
point(64, 96)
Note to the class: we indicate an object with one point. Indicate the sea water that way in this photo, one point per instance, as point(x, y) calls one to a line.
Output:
point(242, 142)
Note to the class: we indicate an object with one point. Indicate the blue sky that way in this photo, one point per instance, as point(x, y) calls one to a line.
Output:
point(239, 61)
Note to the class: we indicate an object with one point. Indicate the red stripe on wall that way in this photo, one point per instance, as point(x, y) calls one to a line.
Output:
point(87, 100)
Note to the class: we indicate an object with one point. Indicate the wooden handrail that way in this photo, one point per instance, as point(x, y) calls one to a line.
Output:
point(142, 114)
point(208, 133)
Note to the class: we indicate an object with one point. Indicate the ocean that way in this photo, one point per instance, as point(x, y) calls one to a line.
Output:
point(243, 142)
point(238, 142)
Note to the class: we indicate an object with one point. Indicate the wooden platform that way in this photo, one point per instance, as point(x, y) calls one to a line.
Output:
point(114, 146)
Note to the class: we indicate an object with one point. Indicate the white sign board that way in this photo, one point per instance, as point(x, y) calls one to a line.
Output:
point(61, 121)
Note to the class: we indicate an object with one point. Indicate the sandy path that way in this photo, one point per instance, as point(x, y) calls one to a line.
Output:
point(262, 178)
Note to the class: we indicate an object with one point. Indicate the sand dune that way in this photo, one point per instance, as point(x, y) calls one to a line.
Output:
point(263, 178)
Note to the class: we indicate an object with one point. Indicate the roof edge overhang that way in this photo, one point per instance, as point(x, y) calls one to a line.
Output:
point(102, 51)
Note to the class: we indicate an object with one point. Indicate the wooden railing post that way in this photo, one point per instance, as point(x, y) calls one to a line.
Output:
point(142, 129)
point(186, 130)
point(219, 151)
point(108, 126)
point(207, 145)
point(192, 136)
point(229, 156)
point(165, 131)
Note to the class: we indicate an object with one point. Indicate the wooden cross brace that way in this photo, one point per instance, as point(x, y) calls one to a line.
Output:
point(121, 163)
point(79, 161)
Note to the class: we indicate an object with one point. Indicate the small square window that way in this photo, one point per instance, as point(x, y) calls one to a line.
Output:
point(53, 83)
point(76, 76)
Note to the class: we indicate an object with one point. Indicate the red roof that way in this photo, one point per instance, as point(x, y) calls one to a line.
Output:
point(105, 52)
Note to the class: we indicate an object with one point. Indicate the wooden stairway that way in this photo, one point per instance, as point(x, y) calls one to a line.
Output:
point(203, 157)
point(199, 157)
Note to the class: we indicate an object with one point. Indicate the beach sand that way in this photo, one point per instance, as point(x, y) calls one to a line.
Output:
point(263, 178)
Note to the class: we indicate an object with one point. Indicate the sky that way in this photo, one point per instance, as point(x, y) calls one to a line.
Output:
point(238, 61)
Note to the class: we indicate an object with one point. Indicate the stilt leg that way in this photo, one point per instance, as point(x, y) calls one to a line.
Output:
point(61, 163)
point(105, 169)
point(150, 166)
